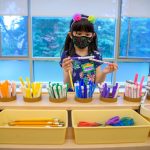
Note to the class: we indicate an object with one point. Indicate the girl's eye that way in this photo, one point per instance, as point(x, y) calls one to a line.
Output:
point(79, 33)
point(88, 34)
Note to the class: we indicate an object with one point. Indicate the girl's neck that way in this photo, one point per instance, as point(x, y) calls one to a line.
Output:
point(81, 52)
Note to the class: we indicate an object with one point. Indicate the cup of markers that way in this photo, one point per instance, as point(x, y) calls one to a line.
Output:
point(31, 91)
point(84, 91)
point(57, 92)
point(108, 94)
point(7, 91)
point(133, 89)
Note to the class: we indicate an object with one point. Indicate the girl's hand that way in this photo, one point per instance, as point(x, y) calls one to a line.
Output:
point(110, 68)
point(67, 64)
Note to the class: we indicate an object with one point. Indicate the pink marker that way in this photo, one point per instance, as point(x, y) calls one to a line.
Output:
point(136, 78)
point(141, 84)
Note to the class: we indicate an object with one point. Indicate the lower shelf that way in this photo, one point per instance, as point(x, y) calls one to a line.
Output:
point(70, 145)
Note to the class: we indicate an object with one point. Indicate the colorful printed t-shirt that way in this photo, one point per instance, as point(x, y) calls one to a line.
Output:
point(85, 69)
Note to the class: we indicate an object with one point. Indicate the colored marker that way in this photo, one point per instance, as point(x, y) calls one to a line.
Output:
point(100, 61)
point(81, 58)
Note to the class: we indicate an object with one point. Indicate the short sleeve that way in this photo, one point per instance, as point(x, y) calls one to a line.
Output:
point(64, 55)
point(98, 56)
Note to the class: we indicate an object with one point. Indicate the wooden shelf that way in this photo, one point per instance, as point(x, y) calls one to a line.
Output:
point(70, 104)
point(70, 145)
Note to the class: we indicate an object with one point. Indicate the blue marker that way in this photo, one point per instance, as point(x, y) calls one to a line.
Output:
point(88, 91)
point(85, 91)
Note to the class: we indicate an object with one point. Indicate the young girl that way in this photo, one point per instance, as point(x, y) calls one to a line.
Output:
point(81, 41)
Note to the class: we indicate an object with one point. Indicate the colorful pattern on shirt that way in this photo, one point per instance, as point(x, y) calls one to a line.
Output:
point(84, 69)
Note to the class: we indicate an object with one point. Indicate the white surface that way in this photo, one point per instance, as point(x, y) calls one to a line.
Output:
point(67, 8)
point(13, 7)
point(136, 8)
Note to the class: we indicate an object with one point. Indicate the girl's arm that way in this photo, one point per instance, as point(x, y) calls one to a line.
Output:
point(101, 75)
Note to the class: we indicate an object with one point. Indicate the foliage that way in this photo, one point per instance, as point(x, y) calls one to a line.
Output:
point(13, 36)
point(49, 33)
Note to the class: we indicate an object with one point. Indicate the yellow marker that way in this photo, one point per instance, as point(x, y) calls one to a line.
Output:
point(33, 89)
point(28, 82)
point(70, 76)
point(21, 80)
point(28, 93)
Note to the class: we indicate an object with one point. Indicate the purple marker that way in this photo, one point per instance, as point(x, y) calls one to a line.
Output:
point(105, 90)
point(107, 94)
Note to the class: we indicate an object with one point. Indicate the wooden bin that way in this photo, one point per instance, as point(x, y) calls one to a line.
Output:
point(83, 100)
point(8, 99)
point(58, 100)
point(32, 99)
point(109, 99)
point(132, 99)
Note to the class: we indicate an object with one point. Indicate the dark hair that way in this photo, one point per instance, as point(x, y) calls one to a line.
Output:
point(82, 25)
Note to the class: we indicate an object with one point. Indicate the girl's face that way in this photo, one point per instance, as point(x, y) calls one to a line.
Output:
point(82, 39)
point(83, 33)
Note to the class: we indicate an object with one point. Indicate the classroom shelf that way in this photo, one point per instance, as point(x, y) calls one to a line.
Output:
point(70, 145)
point(70, 104)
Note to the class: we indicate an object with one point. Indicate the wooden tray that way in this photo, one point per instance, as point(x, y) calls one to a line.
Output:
point(32, 99)
point(6, 99)
point(58, 100)
point(109, 100)
point(83, 100)
point(132, 99)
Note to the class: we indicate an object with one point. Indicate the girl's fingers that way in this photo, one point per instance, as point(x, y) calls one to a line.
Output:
point(67, 62)
point(113, 67)
point(67, 59)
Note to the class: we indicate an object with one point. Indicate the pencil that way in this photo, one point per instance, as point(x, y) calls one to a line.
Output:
point(70, 76)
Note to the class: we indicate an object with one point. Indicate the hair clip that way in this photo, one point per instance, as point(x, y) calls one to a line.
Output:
point(91, 19)
point(77, 17)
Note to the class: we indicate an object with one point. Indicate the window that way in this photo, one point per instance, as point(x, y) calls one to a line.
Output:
point(49, 35)
point(105, 29)
point(127, 71)
point(135, 29)
point(49, 71)
point(32, 35)
point(13, 33)
point(13, 69)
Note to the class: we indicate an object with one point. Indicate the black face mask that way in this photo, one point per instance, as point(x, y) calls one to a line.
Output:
point(82, 41)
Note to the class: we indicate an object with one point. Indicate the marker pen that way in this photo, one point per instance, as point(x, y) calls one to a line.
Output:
point(55, 91)
point(100, 61)
point(81, 58)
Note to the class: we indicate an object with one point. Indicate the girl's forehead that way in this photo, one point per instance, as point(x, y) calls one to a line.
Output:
point(82, 32)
